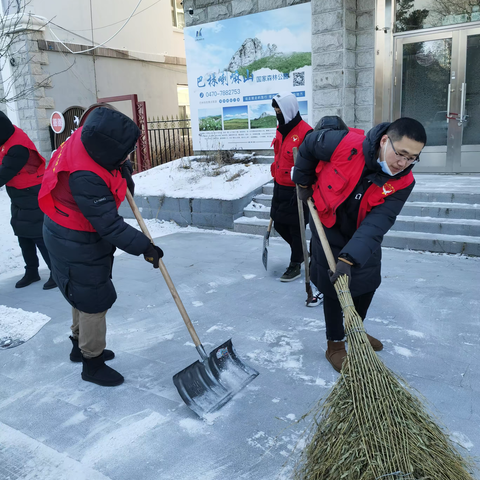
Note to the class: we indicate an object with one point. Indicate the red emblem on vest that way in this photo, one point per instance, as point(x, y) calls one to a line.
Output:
point(388, 189)
point(295, 138)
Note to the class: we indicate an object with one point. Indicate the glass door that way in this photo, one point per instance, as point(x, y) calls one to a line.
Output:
point(437, 81)
point(468, 144)
point(424, 82)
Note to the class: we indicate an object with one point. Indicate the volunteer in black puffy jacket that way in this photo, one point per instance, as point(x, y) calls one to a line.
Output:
point(359, 185)
point(82, 189)
point(21, 170)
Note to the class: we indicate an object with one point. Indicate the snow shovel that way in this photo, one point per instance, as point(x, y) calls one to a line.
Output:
point(266, 242)
point(312, 300)
point(209, 383)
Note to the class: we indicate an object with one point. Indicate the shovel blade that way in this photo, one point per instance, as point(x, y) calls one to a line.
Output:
point(265, 258)
point(206, 386)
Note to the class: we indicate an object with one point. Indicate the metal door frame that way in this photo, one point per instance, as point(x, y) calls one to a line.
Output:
point(458, 34)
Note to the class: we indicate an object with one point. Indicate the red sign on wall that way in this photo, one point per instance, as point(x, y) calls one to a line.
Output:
point(57, 122)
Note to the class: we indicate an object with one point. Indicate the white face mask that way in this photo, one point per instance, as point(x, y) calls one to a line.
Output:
point(383, 164)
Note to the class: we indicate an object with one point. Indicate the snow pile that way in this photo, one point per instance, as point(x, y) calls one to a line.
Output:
point(17, 326)
point(190, 177)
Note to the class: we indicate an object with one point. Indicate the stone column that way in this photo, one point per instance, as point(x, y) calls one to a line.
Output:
point(32, 85)
point(365, 64)
point(342, 60)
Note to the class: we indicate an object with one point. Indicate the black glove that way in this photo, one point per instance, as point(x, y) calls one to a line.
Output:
point(153, 254)
point(304, 193)
point(127, 171)
point(341, 268)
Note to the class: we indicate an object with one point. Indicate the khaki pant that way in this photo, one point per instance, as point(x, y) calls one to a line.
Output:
point(90, 329)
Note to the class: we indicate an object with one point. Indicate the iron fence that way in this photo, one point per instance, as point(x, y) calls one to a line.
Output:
point(169, 140)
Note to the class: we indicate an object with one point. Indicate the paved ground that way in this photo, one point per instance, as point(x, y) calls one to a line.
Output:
point(54, 426)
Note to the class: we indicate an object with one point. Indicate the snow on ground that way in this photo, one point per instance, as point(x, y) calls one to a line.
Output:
point(17, 325)
point(191, 178)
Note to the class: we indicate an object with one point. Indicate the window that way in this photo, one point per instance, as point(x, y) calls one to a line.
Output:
point(183, 101)
point(419, 14)
point(178, 17)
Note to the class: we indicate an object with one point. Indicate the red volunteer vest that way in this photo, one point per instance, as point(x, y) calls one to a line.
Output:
point(32, 173)
point(283, 163)
point(337, 179)
point(71, 157)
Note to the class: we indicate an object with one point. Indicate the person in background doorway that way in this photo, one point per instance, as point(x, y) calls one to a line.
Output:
point(291, 131)
point(21, 170)
point(359, 185)
point(84, 185)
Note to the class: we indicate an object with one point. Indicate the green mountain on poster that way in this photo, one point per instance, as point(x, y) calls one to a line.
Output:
point(284, 63)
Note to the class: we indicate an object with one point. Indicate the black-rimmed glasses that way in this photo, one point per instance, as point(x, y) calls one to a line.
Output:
point(409, 160)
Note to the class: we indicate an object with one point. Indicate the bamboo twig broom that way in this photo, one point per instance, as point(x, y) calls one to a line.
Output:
point(370, 426)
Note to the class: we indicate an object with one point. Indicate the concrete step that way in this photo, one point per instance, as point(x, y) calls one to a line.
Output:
point(442, 210)
point(450, 226)
point(268, 188)
point(263, 199)
point(256, 210)
point(444, 197)
point(258, 226)
point(431, 242)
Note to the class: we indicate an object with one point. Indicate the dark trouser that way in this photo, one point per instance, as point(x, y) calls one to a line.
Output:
point(29, 251)
point(334, 315)
point(291, 234)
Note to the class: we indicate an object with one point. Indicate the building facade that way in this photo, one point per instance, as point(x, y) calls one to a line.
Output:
point(72, 53)
point(377, 60)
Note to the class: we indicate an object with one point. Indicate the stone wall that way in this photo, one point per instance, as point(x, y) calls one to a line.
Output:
point(343, 42)
point(33, 83)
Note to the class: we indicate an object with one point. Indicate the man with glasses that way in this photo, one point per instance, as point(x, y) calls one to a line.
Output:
point(359, 184)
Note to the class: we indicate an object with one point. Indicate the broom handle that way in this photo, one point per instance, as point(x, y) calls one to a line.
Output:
point(323, 238)
point(166, 276)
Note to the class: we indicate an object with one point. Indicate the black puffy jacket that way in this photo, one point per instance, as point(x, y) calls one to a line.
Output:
point(363, 245)
point(82, 261)
point(27, 218)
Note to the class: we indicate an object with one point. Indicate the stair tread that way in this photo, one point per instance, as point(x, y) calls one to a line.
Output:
point(434, 236)
point(443, 205)
point(452, 221)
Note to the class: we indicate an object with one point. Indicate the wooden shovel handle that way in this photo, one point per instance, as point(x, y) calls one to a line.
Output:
point(165, 274)
point(269, 229)
point(301, 220)
point(323, 238)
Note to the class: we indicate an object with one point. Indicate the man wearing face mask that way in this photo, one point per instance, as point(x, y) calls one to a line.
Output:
point(359, 185)
point(291, 131)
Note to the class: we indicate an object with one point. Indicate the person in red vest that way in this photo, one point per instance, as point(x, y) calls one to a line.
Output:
point(21, 170)
point(291, 131)
point(359, 184)
point(84, 184)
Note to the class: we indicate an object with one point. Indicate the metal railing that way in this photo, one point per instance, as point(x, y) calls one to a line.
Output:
point(169, 140)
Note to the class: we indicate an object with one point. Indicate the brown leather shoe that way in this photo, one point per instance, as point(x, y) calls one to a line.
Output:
point(377, 345)
point(335, 354)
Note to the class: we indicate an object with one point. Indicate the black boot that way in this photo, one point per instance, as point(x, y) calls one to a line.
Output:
point(95, 371)
point(76, 353)
point(49, 284)
point(29, 277)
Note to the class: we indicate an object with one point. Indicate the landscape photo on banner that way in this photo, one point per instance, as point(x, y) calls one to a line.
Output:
point(236, 66)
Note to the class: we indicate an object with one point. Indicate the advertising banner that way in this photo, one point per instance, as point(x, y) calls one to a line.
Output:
point(236, 66)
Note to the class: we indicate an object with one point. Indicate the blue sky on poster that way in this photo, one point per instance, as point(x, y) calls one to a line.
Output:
point(289, 28)
point(230, 113)
point(257, 110)
point(209, 112)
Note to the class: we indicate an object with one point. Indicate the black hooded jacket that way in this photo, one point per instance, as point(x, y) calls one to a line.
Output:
point(362, 245)
point(27, 218)
point(82, 261)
